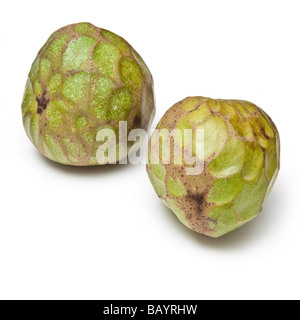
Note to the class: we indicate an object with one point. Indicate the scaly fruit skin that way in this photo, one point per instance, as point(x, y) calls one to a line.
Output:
point(84, 79)
point(242, 160)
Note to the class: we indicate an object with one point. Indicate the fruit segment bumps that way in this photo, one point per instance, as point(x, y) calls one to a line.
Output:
point(241, 154)
point(85, 79)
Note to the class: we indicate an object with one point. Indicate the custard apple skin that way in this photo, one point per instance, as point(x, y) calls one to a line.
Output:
point(241, 164)
point(84, 79)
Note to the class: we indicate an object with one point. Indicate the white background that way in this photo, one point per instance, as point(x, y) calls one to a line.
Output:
point(102, 233)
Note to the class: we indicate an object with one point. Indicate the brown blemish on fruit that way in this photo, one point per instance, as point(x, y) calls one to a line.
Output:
point(42, 103)
point(264, 134)
point(199, 200)
point(136, 121)
point(196, 208)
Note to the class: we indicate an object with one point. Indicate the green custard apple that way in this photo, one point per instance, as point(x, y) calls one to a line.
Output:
point(241, 163)
point(85, 79)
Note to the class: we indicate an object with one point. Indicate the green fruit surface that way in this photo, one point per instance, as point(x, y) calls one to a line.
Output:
point(241, 164)
point(82, 80)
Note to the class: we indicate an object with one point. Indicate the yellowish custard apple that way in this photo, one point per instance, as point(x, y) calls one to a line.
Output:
point(241, 163)
point(85, 79)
